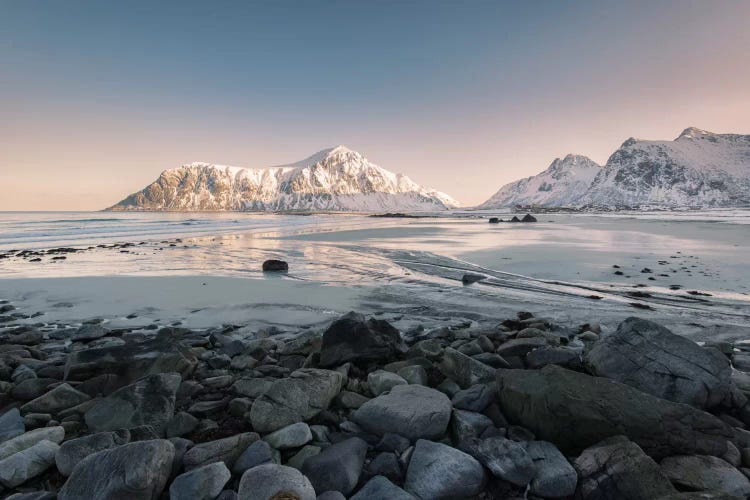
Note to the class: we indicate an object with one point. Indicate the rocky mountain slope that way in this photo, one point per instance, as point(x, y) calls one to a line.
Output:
point(698, 169)
point(560, 185)
point(336, 179)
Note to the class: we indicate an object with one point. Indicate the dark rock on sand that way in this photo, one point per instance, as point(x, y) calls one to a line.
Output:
point(469, 278)
point(528, 218)
point(354, 338)
point(575, 411)
point(618, 468)
point(134, 471)
point(494, 220)
point(275, 265)
point(413, 411)
point(652, 359)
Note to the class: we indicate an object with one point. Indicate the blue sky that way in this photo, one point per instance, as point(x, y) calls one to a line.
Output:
point(461, 96)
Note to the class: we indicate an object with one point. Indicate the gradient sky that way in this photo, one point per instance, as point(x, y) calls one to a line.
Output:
point(97, 98)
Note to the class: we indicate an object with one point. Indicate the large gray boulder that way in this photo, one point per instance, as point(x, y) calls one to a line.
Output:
point(505, 459)
point(575, 411)
point(226, 450)
point(60, 398)
point(618, 468)
point(301, 396)
point(354, 338)
point(439, 471)
point(707, 473)
point(26, 464)
point(73, 451)
point(268, 480)
point(150, 401)
point(464, 370)
point(649, 357)
point(203, 483)
point(413, 411)
point(164, 353)
point(338, 467)
point(11, 424)
point(137, 471)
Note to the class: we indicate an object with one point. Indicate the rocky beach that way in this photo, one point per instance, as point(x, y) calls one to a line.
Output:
point(525, 408)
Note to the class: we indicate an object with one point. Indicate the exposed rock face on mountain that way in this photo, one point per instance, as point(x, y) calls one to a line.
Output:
point(337, 179)
point(560, 185)
point(698, 169)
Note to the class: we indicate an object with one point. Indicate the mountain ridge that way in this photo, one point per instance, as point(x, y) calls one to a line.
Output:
point(335, 179)
point(698, 169)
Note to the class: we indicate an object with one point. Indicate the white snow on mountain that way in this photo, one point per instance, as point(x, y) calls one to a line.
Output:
point(336, 179)
point(560, 185)
point(698, 169)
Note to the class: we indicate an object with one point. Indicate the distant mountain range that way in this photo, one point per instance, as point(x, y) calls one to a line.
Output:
point(698, 169)
point(336, 179)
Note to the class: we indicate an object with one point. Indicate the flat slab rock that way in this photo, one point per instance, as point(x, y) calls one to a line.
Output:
point(575, 411)
point(652, 359)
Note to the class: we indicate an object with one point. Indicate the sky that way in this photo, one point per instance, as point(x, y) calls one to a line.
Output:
point(97, 98)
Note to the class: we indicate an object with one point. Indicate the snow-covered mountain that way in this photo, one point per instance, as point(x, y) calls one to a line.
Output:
point(560, 185)
point(336, 179)
point(698, 169)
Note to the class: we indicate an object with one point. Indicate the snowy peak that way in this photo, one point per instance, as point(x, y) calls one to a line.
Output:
point(334, 179)
point(561, 184)
point(694, 133)
point(697, 169)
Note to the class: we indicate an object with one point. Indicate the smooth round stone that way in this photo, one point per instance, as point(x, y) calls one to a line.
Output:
point(264, 481)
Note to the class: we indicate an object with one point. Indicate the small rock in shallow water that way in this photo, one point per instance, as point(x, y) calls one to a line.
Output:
point(275, 265)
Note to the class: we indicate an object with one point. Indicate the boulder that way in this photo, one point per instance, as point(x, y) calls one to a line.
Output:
point(649, 357)
point(274, 481)
point(475, 398)
point(61, 397)
point(275, 265)
point(32, 388)
point(413, 411)
point(528, 218)
point(89, 332)
point(299, 458)
point(414, 374)
point(11, 425)
point(381, 381)
point(137, 471)
point(380, 488)
point(28, 463)
point(257, 453)
point(337, 468)
point(28, 439)
point(575, 411)
point(291, 436)
point(354, 338)
point(464, 370)
point(701, 472)
point(225, 450)
point(133, 360)
point(544, 356)
point(505, 459)
point(73, 451)
point(180, 424)
point(439, 471)
point(554, 476)
point(618, 468)
point(150, 401)
point(466, 425)
point(301, 396)
point(203, 483)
